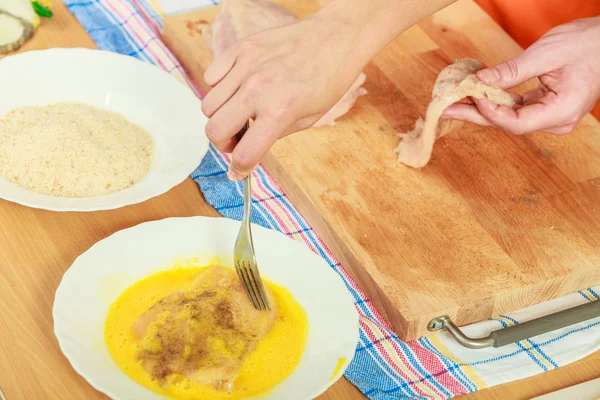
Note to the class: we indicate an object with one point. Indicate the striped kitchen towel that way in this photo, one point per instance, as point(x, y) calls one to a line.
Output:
point(384, 367)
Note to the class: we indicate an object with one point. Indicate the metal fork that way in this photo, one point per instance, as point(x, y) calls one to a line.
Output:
point(243, 253)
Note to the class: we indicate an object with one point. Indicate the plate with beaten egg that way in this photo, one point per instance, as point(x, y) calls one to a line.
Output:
point(156, 311)
point(87, 130)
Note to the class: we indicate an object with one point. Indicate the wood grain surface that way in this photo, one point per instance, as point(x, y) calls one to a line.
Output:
point(493, 224)
point(38, 246)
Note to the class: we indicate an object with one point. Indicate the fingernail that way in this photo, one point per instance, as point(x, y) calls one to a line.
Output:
point(233, 175)
point(488, 75)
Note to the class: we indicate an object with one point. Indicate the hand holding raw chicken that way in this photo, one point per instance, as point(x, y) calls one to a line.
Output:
point(286, 78)
point(567, 62)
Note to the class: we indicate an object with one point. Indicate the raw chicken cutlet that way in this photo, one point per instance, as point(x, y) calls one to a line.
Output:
point(454, 83)
point(203, 333)
point(240, 18)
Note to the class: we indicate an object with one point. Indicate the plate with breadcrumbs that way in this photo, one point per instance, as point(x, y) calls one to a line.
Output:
point(88, 130)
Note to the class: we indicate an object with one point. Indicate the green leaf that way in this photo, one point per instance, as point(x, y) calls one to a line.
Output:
point(41, 10)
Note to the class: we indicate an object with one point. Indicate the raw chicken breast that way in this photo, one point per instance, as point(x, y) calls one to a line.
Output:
point(454, 83)
point(239, 18)
point(203, 333)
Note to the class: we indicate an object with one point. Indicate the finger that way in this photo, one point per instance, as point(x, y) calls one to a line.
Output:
point(300, 125)
point(228, 145)
point(533, 95)
point(220, 66)
point(222, 92)
point(516, 97)
point(255, 143)
point(527, 118)
point(561, 130)
point(466, 112)
point(470, 113)
point(533, 62)
point(224, 125)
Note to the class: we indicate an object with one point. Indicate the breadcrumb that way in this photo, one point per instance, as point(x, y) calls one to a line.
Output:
point(72, 150)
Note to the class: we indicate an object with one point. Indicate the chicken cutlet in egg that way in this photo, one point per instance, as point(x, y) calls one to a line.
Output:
point(203, 333)
point(191, 333)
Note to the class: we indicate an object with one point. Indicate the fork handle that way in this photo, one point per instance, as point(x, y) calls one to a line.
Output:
point(247, 200)
point(246, 185)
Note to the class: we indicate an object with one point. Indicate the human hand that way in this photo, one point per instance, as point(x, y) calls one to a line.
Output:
point(284, 79)
point(567, 62)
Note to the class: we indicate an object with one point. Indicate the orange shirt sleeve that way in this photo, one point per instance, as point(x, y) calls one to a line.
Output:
point(528, 20)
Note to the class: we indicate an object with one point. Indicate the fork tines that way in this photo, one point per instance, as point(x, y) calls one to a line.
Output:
point(253, 285)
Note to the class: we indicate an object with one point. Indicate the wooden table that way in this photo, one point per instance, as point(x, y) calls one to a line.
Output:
point(38, 246)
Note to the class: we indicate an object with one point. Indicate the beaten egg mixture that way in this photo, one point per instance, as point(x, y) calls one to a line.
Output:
point(273, 359)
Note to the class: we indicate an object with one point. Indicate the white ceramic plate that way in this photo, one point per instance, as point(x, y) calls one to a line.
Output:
point(143, 93)
point(99, 276)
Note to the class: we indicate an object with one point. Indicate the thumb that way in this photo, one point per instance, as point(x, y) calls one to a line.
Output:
point(513, 72)
point(252, 147)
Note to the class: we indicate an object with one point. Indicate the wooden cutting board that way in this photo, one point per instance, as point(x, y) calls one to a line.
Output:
point(492, 224)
